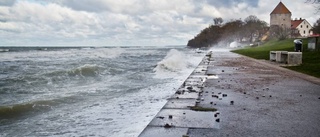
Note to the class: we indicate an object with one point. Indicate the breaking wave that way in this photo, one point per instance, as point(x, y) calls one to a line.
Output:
point(176, 65)
point(7, 112)
point(174, 61)
point(43, 89)
point(85, 70)
point(24, 109)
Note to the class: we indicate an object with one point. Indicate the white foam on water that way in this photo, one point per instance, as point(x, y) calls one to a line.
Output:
point(124, 116)
point(102, 109)
point(177, 65)
point(108, 52)
point(63, 54)
point(86, 70)
point(174, 61)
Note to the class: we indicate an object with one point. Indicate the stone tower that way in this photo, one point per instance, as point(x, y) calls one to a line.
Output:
point(280, 16)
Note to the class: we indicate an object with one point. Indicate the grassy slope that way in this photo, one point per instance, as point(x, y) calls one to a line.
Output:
point(310, 59)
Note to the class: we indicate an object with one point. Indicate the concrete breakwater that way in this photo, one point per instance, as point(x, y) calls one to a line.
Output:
point(232, 95)
point(187, 108)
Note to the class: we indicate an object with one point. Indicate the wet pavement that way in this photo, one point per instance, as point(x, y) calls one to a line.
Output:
point(231, 95)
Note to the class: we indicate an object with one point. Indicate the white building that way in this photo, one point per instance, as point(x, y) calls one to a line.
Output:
point(302, 26)
point(281, 16)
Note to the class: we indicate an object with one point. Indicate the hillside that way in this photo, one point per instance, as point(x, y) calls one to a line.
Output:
point(310, 59)
point(251, 29)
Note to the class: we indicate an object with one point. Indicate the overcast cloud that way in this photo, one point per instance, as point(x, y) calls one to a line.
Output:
point(125, 22)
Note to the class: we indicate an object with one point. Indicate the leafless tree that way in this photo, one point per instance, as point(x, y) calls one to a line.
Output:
point(218, 21)
point(316, 3)
point(280, 33)
point(316, 27)
point(253, 26)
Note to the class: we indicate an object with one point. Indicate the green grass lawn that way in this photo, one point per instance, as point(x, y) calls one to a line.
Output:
point(310, 59)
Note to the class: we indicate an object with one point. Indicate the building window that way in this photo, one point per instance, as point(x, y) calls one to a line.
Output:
point(307, 26)
point(300, 26)
point(304, 32)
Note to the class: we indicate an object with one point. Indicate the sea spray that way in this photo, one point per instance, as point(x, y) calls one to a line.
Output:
point(174, 61)
point(234, 44)
point(176, 64)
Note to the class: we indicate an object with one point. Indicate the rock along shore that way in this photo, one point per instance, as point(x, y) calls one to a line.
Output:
point(232, 95)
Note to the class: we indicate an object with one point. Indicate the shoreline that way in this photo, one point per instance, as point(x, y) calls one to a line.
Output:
point(252, 98)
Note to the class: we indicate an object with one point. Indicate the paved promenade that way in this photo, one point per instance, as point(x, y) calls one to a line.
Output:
point(229, 95)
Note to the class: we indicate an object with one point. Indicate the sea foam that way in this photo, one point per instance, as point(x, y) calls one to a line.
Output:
point(176, 65)
point(174, 61)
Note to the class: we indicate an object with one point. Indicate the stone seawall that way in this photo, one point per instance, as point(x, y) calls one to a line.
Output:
point(231, 95)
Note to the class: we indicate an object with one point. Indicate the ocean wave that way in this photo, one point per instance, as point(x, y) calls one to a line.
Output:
point(177, 64)
point(125, 84)
point(85, 71)
point(35, 107)
point(174, 61)
point(14, 111)
point(108, 52)
point(21, 82)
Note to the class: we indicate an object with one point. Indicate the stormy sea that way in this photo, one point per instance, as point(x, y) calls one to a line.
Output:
point(110, 91)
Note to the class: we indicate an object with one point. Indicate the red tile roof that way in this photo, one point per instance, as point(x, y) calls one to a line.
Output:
point(281, 9)
point(296, 23)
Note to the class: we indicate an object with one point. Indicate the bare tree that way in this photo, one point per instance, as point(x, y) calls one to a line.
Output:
point(232, 30)
point(218, 21)
point(316, 27)
point(280, 33)
point(253, 26)
point(316, 3)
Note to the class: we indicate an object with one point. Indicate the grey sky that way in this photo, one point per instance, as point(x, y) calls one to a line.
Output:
point(125, 22)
